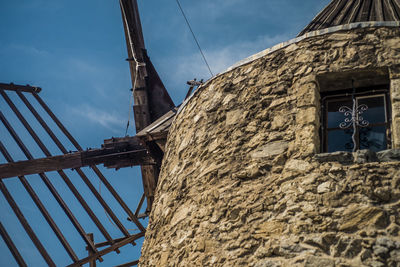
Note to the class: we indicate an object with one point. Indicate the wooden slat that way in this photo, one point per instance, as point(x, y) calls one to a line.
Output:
point(394, 10)
point(378, 10)
point(24, 222)
point(365, 11)
point(10, 244)
point(340, 12)
point(343, 16)
point(20, 88)
point(109, 249)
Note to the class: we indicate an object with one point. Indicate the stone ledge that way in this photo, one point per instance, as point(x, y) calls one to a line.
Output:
point(361, 156)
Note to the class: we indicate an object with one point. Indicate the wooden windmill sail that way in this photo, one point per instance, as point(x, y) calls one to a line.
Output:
point(151, 99)
point(153, 113)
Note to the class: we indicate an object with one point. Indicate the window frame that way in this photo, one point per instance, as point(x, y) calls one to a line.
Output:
point(364, 92)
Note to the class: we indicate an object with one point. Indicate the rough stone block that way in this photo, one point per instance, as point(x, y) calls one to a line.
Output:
point(314, 261)
point(270, 149)
point(325, 187)
point(357, 217)
point(395, 89)
point(365, 155)
point(395, 109)
point(235, 116)
point(307, 116)
point(396, 131)
point(298, 165)
point(394, 71)
point(270, 228)
point(339, 156)
point(388, 155)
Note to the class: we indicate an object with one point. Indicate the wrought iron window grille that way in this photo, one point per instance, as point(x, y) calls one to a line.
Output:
point(344, 121)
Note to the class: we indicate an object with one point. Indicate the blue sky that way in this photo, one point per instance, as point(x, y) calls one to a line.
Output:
point(75, 50)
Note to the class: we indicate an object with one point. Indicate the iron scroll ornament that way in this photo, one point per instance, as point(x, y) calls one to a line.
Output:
point(353, 117)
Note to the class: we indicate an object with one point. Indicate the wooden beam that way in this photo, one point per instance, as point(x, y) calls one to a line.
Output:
point(42, 165)
point(20, 88)
point(109, 249)
point(108, 157)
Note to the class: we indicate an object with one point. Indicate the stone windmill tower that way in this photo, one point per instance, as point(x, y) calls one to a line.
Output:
point(258, 169)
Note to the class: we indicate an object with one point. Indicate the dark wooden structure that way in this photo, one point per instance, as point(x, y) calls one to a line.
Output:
point(340, 12)
point(114, 153)
point(153, 113)
point(151, 99)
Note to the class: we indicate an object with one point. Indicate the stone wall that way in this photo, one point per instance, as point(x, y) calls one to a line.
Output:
point(241, 184)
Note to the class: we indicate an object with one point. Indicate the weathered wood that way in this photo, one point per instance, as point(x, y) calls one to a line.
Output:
point(159, 100)
point(134, 40)
point(11, 246)
point(41, 207)
point(108, 157)
point(161, 144)
point(42, 165)
point(149, 176)
point(92, 263)
point(151, 99)
point(340, 12)
point(122, 142)
point(109, 249)
point(142, 116)
point(135, 46)
point(159, 127)
point(28, 229)
point(20, 88)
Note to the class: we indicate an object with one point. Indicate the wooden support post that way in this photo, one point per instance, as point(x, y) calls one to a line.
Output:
point(92, 263)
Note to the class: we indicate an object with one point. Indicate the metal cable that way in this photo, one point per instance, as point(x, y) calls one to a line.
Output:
point(194, 37)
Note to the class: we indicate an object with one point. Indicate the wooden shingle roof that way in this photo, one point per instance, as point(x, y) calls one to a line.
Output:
point(340, 12)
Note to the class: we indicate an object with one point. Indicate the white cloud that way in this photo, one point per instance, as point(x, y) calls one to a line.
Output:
point(105, 118)
point(82, 66)
point(29, 50)
point(221, 58)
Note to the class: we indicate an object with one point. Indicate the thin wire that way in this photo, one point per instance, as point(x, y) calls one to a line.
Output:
point(194, 37)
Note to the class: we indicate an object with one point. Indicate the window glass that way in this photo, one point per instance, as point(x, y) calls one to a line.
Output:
point(376, 109)
point(334, 116)
point(373, 138)
point(340, 140)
